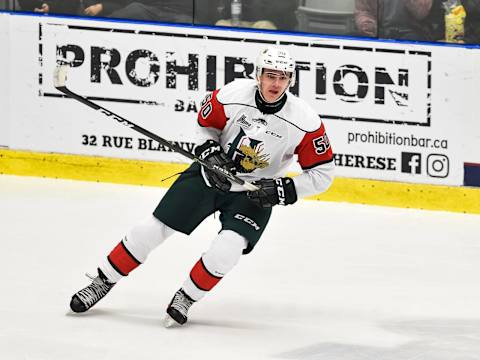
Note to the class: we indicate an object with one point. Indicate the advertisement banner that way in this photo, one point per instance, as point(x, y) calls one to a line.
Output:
point(4, 81)
point(393, 111)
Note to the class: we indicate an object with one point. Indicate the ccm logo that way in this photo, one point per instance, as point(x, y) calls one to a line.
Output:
point(247, 220)
point(209, 151)
point(280, 191)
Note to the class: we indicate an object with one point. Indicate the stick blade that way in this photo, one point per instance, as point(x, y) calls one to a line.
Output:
point(60, 76)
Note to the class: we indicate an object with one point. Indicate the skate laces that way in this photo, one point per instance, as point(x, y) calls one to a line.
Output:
point(91, 277)
point(95, 291)
point(181, 302)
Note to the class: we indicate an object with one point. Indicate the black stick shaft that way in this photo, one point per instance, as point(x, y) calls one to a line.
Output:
point(121, 120)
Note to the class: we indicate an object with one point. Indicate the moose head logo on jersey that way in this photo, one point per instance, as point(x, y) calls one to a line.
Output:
point(247, 153)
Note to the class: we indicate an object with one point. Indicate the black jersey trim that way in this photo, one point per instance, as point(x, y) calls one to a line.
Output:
point(317, 164)
point(298, 127)
point(279, 117)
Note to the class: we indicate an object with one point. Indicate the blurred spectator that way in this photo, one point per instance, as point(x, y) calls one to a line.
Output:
point(51, 6)
point(401, 19)
point(472, 21)
point(366, 12)
point(149, 10)
point(264, 14)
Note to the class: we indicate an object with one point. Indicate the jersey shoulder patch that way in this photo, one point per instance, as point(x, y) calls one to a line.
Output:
point(237, 92)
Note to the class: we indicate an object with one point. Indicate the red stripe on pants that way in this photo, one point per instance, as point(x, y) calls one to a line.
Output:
point(202, 278)
point(121, 259)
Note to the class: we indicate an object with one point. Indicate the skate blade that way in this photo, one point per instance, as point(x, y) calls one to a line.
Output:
point(169, 322)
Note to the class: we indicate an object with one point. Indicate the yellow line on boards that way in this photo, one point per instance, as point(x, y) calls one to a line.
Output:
point(150, 173)
point(88, 168)
point(406, 195)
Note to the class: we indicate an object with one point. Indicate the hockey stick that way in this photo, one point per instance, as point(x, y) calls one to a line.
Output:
point(60, 78)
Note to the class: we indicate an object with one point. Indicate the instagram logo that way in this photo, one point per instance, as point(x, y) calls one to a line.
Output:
point(438, 165)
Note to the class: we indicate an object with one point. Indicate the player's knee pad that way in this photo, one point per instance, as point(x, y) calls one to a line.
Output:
point(224, 252)
point(142, 238)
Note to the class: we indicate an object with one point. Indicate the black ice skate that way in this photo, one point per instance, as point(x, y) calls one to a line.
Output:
point(178, 309)
point(90, 295)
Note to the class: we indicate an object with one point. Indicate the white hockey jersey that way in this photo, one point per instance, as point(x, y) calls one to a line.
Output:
point(264, 145)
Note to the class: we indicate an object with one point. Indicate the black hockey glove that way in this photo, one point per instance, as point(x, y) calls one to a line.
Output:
point(273, 191)
point(212, 152)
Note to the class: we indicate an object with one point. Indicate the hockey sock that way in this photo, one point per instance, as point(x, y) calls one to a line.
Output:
point(122, 260)
point(202, 278)
point(134, 249)
point(219, 259)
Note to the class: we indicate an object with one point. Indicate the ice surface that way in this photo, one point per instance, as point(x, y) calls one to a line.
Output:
point(328, 281)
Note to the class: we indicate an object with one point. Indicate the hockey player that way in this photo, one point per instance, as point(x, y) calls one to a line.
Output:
point(253, 128)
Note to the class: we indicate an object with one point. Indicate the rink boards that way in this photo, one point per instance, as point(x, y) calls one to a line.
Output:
point(400, 116)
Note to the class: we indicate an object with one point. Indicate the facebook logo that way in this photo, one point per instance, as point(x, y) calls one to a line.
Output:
point(411, 163)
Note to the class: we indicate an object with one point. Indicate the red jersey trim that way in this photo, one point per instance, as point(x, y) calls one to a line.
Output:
point(212, 112)
point(318, 164)
point(314, 149)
